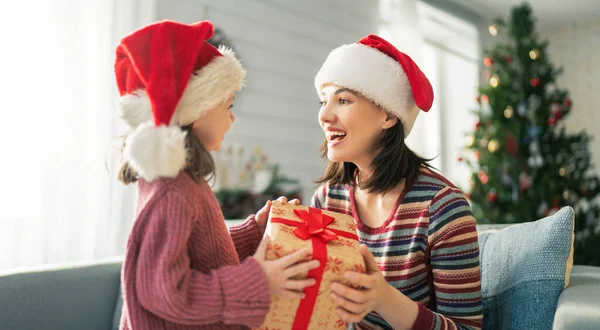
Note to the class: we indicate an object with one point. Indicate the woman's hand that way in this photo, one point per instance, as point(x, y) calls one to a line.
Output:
point(263, 214)
point(355, 304)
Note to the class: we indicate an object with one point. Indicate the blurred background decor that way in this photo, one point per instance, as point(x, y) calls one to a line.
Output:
point(525, 164)
point(243, 183)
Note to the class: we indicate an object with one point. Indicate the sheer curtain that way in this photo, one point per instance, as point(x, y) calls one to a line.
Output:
point(61, 202)
point(446, 49)
point(401, 25)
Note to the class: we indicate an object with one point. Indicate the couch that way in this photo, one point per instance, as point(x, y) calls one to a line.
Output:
point(87, 296)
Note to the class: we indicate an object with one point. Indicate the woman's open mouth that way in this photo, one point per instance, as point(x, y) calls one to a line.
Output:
point(334, 137)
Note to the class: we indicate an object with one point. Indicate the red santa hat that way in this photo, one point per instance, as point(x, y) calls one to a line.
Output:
point(168, 75)
point(382, 74)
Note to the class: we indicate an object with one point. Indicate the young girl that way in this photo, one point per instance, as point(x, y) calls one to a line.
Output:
point(417, 229)
point(182, 268)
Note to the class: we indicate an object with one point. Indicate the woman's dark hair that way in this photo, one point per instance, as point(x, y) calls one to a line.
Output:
point(394, 162)
point(199, 164)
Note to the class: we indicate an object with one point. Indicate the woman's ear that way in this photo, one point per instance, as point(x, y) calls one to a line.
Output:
point(390, 121)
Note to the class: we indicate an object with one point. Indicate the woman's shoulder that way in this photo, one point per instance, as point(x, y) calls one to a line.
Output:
point(328, 193)
point(430, 184)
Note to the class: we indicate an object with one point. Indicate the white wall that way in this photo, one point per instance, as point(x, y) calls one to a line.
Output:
point(282, 43)
point(577, 49)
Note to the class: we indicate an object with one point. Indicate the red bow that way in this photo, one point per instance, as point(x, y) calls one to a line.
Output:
point(314, 225)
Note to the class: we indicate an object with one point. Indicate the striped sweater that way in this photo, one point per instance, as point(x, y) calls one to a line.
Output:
point(427, 249)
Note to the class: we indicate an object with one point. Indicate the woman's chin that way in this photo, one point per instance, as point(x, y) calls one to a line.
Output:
point(335, 156)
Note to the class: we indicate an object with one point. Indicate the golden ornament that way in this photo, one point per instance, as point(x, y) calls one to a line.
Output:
point(534, 54)
point(562, 171)
point(483, 143)
point(472, 182)
point(509, 112)
point(566, 195)
point(469, 140)
point(493, 146)
point(494, 81)
point(493, 29)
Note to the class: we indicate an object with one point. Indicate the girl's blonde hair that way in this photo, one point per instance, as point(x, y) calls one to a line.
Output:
point(199, 163)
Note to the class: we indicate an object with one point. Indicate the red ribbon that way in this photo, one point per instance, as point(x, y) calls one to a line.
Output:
point(314, 226)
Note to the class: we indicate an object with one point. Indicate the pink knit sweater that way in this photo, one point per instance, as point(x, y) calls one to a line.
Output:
point(182, 268)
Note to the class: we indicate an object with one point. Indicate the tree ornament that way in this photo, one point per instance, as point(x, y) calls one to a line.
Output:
point(469, 140)
point(477, 124)
point(507, 180)
point(534, 54)
point(509, 112)
point(483, 177)
point(534, 82)
point(542, 209)
point(584, 189)
point(562, 171)
point(510, 145)
point(567, 102)
point(472, 182)
point(493, 146)
point(483, 143)
point(492, 196)
point(488, 61)
point(555, 107)
point(522, 109)
point(493, 29)
point(525, 181)
point(552, 121)
point(555, 207)
point(485, 98)
point(567, 195)
point(494, 81)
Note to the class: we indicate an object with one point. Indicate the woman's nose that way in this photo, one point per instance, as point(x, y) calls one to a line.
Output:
point(326, 114)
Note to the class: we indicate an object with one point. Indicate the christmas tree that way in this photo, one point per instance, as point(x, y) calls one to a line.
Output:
point(525, 165)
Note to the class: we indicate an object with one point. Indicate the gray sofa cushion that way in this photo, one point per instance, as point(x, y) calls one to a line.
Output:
point(579, 304)
point(66, 299)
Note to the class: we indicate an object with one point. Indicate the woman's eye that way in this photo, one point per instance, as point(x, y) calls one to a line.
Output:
point(322, 103)
point(344, 101)
point(231, 106)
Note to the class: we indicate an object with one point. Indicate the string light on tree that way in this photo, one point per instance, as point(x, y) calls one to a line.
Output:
point(509, 112)
point(494, 80)
point(534, 54)
point(562, 171)
point(493, 146)
point(493, 29)
point(469, 140)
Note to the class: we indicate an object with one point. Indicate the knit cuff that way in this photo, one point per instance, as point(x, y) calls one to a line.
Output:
point(247, 297)
point(425, 318)
point(246, 237)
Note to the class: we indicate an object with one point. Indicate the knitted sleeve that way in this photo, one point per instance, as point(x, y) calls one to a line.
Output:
point(454, 257)
point(169, 288)
point(246, 237)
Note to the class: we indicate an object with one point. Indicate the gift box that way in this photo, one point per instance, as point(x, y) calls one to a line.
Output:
point(332, 238)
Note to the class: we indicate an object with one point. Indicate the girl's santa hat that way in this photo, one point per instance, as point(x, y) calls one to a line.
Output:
point(382, 74)
point(168, 75)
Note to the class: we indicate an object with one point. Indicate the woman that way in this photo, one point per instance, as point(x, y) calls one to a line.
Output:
point(417, 230)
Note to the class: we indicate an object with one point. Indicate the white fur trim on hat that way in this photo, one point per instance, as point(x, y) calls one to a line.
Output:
point(373, 74)
point(207, 88)
point(154, 152)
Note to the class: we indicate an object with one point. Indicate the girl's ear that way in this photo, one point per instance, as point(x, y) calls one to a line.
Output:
point(390, 121)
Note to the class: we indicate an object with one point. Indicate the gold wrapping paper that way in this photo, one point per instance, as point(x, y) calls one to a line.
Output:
point(343, 255)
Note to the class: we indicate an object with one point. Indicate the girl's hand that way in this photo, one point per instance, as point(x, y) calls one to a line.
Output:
point(263, 214)
point(280, 272)
point(355, 304)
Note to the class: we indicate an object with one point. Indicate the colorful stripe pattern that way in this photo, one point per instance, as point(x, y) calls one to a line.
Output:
point(427, 249)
